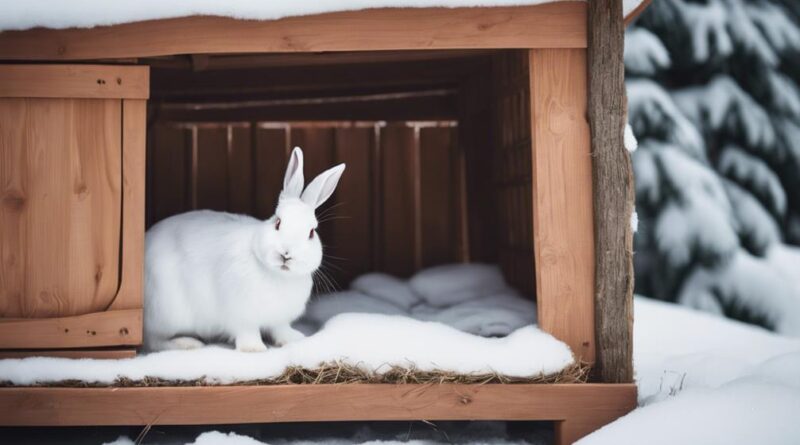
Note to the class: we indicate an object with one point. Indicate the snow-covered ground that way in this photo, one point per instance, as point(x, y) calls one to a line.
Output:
point(708, 380)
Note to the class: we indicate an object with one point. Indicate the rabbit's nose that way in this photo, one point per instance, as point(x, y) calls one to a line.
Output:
point(286, 257)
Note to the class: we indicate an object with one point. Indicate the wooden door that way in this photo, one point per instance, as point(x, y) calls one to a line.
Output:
point(63, 181)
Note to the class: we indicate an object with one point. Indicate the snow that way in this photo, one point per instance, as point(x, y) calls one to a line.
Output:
point(427, 323)
point(704, 379)
point(741, 412)
point(372, 342)
point(750, 283)
point(59, 14)
point(722, 104)
point(755, 175)
point(644, 52)
point(653, 114)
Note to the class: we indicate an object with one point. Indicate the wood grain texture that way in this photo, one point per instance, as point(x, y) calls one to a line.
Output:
point(169, 149)
point(131, 289)
point(294, 403)
point(511, 168)
point(212, 166)
point(61, 202)
point(271, 155)
point(350, 248)
point(109, 328)
point(399, 173)
point(107, 354)
point(613, 194)
point(555, 25)
point(74, 81)
point(562, 189)
point(438, 196)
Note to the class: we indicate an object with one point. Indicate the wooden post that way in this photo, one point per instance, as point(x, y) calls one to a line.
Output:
point(562, 198)
point(613, 193)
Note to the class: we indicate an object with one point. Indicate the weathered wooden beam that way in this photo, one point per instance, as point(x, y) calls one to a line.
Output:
point(612, 179)
point(582, 407)
point(551, 25)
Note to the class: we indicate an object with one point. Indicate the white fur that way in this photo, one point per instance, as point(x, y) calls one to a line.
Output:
point(217, 275)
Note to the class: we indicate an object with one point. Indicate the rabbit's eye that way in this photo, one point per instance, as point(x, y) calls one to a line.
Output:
point(311, 234)
point(278, 224)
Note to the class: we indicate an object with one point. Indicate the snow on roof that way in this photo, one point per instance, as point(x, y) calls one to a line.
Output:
point(59, 14)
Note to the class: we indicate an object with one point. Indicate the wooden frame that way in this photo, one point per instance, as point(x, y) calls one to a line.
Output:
point(565, 224)
point(562, 210)
point(576, 409)
point(120, 324)
point(554, 25)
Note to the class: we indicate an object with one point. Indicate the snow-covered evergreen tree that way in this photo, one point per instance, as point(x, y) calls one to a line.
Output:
point(714, 100)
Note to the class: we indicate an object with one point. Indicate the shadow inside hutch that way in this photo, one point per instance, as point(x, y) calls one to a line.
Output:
point(437, 146)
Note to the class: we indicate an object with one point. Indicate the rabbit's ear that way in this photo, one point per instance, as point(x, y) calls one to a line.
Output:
point(322, 187)
point(293, 180)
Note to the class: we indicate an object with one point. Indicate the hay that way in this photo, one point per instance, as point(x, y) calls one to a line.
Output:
point(341, 373)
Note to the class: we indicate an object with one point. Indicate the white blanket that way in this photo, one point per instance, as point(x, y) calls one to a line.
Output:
point(473, 298)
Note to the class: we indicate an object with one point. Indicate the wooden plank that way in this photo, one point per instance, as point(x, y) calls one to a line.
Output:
point(270, 157)
point(351, 221)
point(110, 354)
point(240, 171)
point(238, 61)
point(109, 328)
point(212, 168)
point(563, 225)
point(399, 171)
point(439, 198)
point(168, 158)
point(61, 200)
point(553, 25)
point(131, 288)
point(74, 81)
point(613, 194)
point(433, 107)
point(50, 406)
point(179, 85)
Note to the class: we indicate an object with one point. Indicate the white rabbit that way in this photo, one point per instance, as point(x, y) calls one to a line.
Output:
point(216, 275)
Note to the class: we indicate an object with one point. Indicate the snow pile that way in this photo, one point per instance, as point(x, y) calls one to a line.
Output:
point(704, 379)
point(61, 14)
point(369, 341)
point(473, 298)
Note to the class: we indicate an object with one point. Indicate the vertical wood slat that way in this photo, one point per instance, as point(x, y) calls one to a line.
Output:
point(240, 171)
point(270, 157)
point(60, 220)
point(398, 160)
point(511, 168)
point(351, 223)
point(613, 193)
point(168, 154)
point(212, 167)
point(562, 212)
point(134, 152)
point(439, 196)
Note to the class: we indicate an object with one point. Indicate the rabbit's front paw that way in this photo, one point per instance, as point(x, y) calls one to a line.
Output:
point(250, 343)
point(285, 335)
